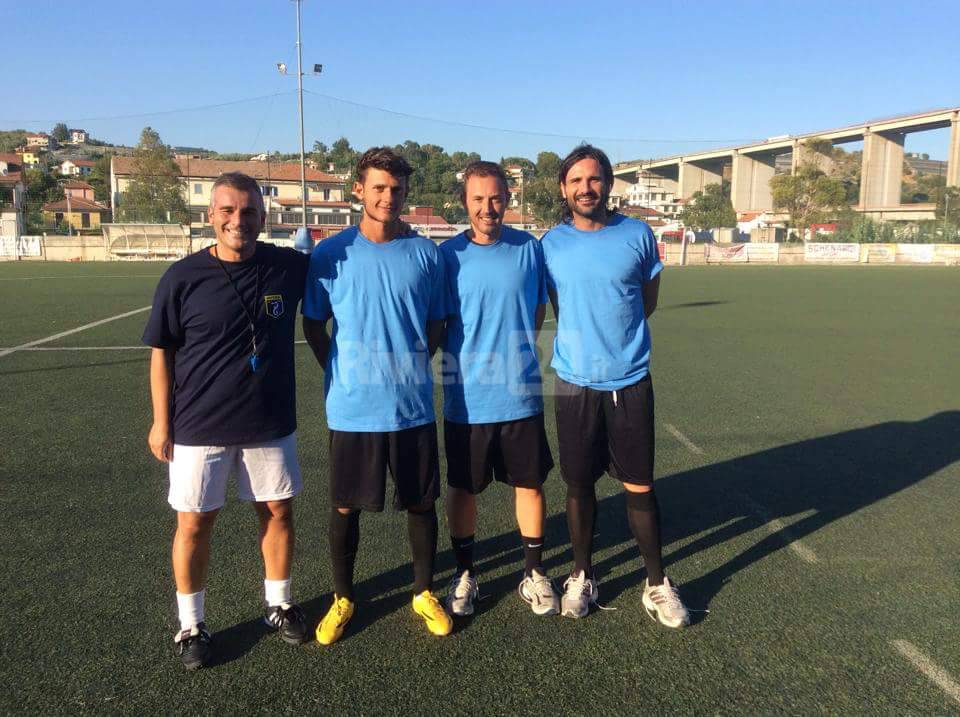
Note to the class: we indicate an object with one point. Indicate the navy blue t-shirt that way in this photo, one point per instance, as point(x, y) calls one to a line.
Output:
point(218, 400)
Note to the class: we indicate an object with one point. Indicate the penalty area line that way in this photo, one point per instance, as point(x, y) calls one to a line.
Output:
point(21, 347)
point(930, 669)
point(691, 446)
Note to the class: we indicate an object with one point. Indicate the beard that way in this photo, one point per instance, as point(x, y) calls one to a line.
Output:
point(595, 212)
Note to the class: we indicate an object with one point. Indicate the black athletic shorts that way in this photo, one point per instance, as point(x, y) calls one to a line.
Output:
point(601, 431)
point(359, 463)
point(513, 452)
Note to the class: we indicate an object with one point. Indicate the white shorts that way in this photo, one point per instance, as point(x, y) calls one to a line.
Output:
point(265, 471)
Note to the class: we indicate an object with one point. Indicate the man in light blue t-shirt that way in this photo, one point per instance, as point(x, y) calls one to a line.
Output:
point(386, 295)
point(492, 402)
point(603, 272)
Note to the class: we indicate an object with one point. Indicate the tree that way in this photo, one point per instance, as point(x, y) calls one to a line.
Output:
point(808, 195)
point(155, 193)
point(99, 178)
point(709, 209)
point(60, 132)
point(11, 139)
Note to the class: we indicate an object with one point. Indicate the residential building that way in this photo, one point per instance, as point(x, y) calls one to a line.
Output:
point(76, 189)
point(327, 210)
point(32, 157)
point(13, 196)
point(76, 167)
point(651, 191)
point(78, 136)
point(74, 215)
point(522, 221)
point(41, 139)
point(423, 221)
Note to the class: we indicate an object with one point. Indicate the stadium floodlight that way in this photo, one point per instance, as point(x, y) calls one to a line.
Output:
point(317, 69)
point(282, 67)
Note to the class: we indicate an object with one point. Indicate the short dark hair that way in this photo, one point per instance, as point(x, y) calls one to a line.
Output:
point(581, 152)
point(239, 181)
point(383, 158)
point(484, 169)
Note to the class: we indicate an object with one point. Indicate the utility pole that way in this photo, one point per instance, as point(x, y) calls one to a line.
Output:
point(303, 162)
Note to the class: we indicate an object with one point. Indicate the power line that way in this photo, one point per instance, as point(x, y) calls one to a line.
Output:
point(505, 130)
point(150, 114)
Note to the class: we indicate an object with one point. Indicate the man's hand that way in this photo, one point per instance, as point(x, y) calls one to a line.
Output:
point(160, 442)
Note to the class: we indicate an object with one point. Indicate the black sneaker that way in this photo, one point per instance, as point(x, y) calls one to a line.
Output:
point(193, 646)
point(289, 622)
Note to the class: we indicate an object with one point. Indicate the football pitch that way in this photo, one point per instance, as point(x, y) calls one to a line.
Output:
point(808, 471)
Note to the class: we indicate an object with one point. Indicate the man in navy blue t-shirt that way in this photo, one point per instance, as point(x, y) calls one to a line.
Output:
point(383, 291)
point(492, 397)
point(222, 384)
point(603, 271)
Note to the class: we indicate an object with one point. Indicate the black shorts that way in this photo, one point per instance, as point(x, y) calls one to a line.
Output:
point(359, 463)
point(513, 452)
point(601, 431)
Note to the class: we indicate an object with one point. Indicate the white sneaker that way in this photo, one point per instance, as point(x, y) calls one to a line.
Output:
point(461, 594)
point(537, 590)
point(579, 592)
point(662, 603)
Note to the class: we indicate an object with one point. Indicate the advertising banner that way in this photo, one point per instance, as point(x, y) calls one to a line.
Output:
point(762, 253)
point(947, 254)
point(915, 253)
point(827, 252)
point(19, 246)
point(730, 254)
point(879, 253)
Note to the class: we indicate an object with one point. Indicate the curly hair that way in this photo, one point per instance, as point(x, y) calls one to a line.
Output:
point(383, 158)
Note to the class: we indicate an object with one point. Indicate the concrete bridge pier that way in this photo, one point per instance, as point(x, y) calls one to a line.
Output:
point(882, 171)
point(750, 182)
point(953, 156)
point(695, 176)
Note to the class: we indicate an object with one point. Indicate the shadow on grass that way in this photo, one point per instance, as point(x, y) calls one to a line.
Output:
point(691, 305)
point(825, 479)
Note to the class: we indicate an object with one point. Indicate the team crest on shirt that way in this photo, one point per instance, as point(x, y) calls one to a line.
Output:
point(274, 304)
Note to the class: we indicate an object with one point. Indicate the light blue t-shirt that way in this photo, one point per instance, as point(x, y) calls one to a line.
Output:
point(603, 340)
point(490, 368)
point(378, 375)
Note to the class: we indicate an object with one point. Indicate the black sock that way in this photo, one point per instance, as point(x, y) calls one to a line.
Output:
point(643, 515)
point(463, 552)
point(532, 554)
point(581, 512)
point(344, 533)
point(422, 529)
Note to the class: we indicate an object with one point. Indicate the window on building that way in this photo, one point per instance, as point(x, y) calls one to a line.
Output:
point(85, 220)
point(198, 189)
point(326, 195)
point(58, 218)
point(268, 191)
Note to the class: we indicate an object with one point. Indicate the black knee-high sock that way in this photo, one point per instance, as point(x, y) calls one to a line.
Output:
point(581, 513)
point(344, 533)
point(463, 552)
point(422, 529)
point(532, 554)
point(643, 515)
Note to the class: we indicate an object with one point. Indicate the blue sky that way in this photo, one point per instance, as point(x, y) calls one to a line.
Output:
point(641, 79)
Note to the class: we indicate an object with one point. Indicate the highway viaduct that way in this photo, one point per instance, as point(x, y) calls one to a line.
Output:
point(752, 165)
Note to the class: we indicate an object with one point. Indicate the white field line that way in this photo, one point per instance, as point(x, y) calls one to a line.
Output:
point(936, 674)
point(549, 321)
point(82, 276)
point(6, 352)
point(691, 446)
point(773, 525)
point(85, 348)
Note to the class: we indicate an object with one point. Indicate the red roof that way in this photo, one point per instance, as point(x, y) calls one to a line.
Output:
point(512, 216)
point(35, 134)
point(640, 211)
point(10, 178)
point(10, 158)
point(77, 184)
point(76, 205)
point(310, 203)
point(431, 219)
point(213, 168)
point(748, 216)
point(81, 162)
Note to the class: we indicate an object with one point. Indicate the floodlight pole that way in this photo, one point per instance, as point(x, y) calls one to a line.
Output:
point(303, 162)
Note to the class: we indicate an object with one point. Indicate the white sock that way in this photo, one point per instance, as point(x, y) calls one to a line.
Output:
point(277, 592)
point(190, 608)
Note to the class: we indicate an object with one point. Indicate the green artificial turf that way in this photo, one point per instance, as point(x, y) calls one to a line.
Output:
point(812, 510)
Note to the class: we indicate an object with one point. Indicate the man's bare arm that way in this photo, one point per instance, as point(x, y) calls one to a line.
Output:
point(555, 303)
point(538, 318)
point(315, 332)
point(651, 293)
point(160, 438)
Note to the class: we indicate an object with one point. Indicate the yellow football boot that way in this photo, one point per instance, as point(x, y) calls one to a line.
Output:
point(429, 608)
point(333, 623)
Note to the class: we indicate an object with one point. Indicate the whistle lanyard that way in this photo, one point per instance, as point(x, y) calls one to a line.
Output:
point(254, 358)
